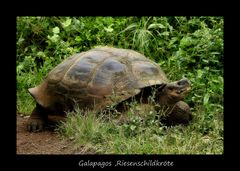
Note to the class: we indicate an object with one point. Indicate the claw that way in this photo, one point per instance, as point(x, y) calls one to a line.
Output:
point(35, 125)
point(29, 128)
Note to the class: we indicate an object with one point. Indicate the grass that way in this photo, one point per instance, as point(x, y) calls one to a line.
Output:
point(141, 133)
point(25, 103)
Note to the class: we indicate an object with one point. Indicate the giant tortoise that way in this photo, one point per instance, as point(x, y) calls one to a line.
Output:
point(102, 77)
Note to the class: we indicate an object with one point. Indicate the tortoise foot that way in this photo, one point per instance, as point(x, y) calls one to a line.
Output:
point(180, 114)
point(35, 124)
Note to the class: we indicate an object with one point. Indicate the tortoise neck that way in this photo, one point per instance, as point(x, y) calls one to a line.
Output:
point(164, 100)
point(149, 96)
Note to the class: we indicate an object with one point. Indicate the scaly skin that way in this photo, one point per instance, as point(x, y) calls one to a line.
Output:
point(37, 120)
point(180, 114)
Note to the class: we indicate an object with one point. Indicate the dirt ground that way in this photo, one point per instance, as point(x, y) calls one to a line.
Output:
point(46, 142)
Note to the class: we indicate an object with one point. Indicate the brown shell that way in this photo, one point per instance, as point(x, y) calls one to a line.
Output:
point(97, 78)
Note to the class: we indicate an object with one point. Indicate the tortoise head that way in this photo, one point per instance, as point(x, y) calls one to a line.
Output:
point(174, 92)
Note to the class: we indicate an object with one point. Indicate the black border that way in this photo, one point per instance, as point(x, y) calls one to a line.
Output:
point(112, 161)
point(71, 161)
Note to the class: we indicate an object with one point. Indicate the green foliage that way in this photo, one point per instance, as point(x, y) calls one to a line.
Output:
point(141, 134)
point(149, 35)
point(190, 47)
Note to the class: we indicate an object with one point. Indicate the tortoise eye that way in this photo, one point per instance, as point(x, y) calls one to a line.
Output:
point(183, 82)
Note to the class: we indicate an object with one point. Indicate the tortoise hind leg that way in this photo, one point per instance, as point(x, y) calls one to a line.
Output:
point(180, 114)
point(37, 120)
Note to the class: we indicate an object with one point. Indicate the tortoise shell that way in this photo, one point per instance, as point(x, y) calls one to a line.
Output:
point(98, 78)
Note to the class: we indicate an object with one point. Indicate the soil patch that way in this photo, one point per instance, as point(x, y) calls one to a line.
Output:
point(45, 142)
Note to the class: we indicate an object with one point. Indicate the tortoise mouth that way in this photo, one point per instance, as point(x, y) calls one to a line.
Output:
point(184, 90)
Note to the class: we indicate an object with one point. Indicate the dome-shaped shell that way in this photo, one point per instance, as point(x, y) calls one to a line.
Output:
point(97, 78)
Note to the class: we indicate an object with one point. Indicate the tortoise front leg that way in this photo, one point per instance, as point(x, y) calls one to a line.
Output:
point(37, 120)
point(180, 114)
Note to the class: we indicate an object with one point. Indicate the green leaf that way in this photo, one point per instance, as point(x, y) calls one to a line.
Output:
point(156, 25)
point(78, 39)
point(19, 67)
point(193, 60)
point(220, 78)
point(172, 41)
point(54, 38)
point(170, 28)
point(166, 33)
point(67, 23)
point(206, 68)
point(41, 54)
point(215, 81)
point(205, 99)
point(109, 28)
point(185, 41)
point(130, 27)
point(199, 73)
point(215, 53)
point(55, 30)
point(132, 127)
point(205, 61)
point(20, 40)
